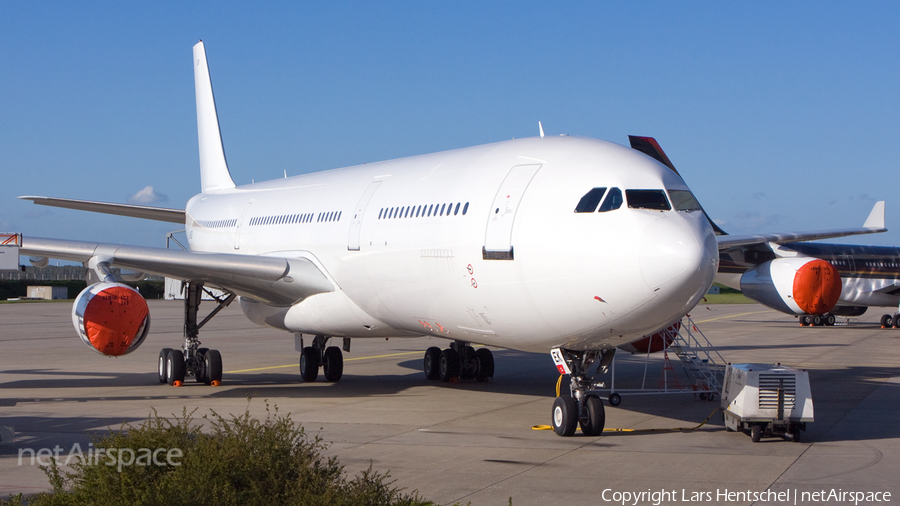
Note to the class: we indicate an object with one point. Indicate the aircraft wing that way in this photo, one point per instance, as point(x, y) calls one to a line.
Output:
point(144, 212)
point(874, 224)
point(274, 280)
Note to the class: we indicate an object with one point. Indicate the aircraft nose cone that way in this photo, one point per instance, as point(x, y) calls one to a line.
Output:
point(678, 260)
point(668, 249)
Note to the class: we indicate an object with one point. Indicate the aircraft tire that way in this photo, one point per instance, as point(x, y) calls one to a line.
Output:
point(830, 319)
point(309, 364)
point(897, 321)
point(449, 365)
point(333, 365)
point(564, 417)
point(886, 321)
point(175, 367)
point(162, 365)
point(817, 320)
point(468, 366)
point(614, 399)
point(432, 363)
point(201, 376)
point(212, 367)
point(485, 360)
point(596, 417)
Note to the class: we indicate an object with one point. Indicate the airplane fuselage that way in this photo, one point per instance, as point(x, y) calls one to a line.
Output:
point(870, 275)
point(477, 244)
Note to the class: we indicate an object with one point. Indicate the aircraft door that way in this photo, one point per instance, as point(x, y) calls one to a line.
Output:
point(498, 236)
point(851, 264)
point(240, 224)
point(358, 214)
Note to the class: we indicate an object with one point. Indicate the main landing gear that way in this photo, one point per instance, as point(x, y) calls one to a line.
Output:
point(460, 360)
point(817, 320)
point(579, 407)
point(888, 321)
point(192, 360)
point(330, 359)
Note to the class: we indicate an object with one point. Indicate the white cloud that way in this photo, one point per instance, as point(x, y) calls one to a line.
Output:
point(147, 196)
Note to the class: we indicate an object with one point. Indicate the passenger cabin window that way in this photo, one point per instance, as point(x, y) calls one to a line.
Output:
point(683, 200)
point(647, 199)
point(612, 202)
point(590, 201)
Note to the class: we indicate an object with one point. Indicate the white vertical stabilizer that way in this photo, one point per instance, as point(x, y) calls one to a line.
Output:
point(214, 174)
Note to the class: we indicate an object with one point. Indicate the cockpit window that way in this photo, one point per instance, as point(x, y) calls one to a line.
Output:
point(588, 203)
point(647, 199)
point(613, 200)
point(684, 200)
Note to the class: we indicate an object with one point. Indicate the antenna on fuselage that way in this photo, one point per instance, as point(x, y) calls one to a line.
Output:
point(541, 129)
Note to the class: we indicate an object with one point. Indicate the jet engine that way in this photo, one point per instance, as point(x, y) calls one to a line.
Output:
point(796, 285)
point(653, 343)
point(111, 318)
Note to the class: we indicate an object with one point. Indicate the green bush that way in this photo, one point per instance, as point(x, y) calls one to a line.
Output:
point(239, 460)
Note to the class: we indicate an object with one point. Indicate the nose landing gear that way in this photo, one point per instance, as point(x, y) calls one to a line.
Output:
point(579, 407)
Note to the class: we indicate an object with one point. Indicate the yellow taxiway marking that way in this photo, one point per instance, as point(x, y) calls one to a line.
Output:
point(345, 360)
point(729, 316)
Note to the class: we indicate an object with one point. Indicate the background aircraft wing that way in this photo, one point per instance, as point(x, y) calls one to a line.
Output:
point(144, 212)
point(274, 280)
point(874, 224)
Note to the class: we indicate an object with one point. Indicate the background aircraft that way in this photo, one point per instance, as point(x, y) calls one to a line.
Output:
point(844, 280)
point(550, 243)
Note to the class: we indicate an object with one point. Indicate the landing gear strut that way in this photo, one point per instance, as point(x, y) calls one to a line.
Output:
point(460, 360)
point(330, 359)
point(192, 360)
point(579, 407)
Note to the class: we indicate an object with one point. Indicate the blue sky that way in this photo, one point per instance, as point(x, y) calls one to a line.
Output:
point(780, 116)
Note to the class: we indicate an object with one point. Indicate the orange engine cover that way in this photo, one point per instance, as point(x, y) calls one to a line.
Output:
point(817, 287)
point(656, 342)
point(111, 318)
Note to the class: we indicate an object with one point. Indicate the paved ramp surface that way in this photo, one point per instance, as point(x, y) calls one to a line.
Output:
point(472, 442)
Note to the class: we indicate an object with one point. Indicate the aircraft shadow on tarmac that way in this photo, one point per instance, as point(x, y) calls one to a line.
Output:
point(852, 403)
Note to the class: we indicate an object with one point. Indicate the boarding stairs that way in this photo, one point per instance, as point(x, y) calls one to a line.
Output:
point(703, 366)
point(702, 363)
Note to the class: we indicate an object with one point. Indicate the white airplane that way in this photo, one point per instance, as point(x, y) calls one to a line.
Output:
point(474, 245)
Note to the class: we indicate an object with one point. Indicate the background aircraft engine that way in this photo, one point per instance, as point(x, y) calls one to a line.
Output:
point(656, 342)
point(111, 318)
point(798, 285)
